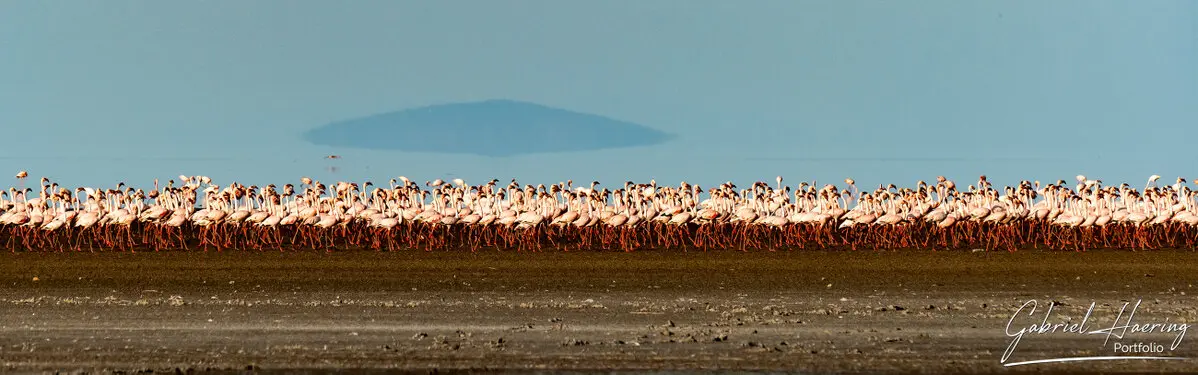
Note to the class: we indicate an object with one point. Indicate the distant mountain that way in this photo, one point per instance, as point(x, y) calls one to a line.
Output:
point(488, 128)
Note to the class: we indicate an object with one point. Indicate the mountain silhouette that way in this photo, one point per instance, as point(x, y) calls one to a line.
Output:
point(488, 128)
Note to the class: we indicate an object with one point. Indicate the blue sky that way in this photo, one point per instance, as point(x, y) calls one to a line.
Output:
point(881, 91)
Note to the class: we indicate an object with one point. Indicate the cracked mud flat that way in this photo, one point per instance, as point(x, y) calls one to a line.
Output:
point(811, 312)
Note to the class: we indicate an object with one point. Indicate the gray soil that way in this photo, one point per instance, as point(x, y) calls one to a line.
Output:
point(810, 312)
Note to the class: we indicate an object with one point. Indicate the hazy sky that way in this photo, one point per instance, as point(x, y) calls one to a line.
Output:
point(94, 92)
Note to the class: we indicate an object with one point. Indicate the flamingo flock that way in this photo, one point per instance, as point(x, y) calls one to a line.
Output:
point(193, 212)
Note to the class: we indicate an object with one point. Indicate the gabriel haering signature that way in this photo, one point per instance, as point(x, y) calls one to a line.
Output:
point(1124, 327)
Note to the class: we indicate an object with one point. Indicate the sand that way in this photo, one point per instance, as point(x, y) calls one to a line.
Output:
point(811, 312)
